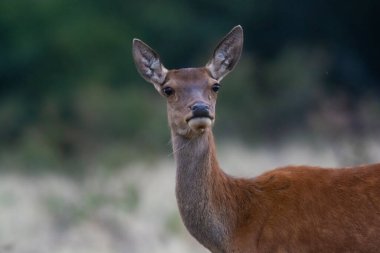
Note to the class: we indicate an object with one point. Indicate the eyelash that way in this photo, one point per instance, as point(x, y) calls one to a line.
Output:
point(216, 87)
point(168, 91)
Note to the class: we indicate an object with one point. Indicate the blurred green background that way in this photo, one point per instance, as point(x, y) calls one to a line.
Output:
point(70, 96)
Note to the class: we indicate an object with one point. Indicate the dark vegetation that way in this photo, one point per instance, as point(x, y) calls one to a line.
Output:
point(70, 96)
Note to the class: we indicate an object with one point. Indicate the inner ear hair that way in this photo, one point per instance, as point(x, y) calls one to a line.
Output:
point(148, 63)
point(226, 54)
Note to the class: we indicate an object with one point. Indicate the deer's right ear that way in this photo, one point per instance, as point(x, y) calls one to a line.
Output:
point(148, 63)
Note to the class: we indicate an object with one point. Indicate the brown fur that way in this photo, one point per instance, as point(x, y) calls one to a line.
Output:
point(292, 209)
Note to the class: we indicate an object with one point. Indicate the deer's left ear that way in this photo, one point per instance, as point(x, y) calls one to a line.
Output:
point(226, 54)
point(148, 63)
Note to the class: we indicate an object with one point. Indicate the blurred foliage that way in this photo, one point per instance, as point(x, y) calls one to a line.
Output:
point(70, 95)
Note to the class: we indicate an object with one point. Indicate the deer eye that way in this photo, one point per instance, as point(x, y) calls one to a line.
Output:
point(168, 91)
point(215, 87)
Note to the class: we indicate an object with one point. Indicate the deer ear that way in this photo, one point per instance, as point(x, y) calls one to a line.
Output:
point(148, 63)
point(226, 54)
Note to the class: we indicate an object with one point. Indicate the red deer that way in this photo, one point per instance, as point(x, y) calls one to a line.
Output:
point(295, 209)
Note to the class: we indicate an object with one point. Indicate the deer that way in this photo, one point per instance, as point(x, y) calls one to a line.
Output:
point(291, 209)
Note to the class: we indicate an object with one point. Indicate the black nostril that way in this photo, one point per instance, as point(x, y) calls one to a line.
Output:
point(200, 110)
point(200, 107)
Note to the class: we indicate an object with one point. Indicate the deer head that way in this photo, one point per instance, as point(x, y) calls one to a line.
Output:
point(191, 93)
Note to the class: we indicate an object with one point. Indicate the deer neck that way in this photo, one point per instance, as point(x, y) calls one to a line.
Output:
point(198, 192)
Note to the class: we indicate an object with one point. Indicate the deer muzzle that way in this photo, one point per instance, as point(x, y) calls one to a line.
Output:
point(201, 117)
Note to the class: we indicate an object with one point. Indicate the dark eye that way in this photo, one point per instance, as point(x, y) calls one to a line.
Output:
point(168, 91)
point(215, 87)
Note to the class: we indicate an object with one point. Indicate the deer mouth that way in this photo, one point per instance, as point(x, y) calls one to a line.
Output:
point(200, 123)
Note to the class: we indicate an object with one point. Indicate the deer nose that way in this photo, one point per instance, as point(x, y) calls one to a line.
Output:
point(200, 110)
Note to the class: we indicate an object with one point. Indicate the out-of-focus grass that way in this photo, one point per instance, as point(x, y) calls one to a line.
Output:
point(127, 210)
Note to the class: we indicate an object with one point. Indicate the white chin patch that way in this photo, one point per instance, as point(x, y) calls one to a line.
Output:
point(200, 124)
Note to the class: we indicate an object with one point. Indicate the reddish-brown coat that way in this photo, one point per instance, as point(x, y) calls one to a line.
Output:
point(309, 209)
point(291, 209)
